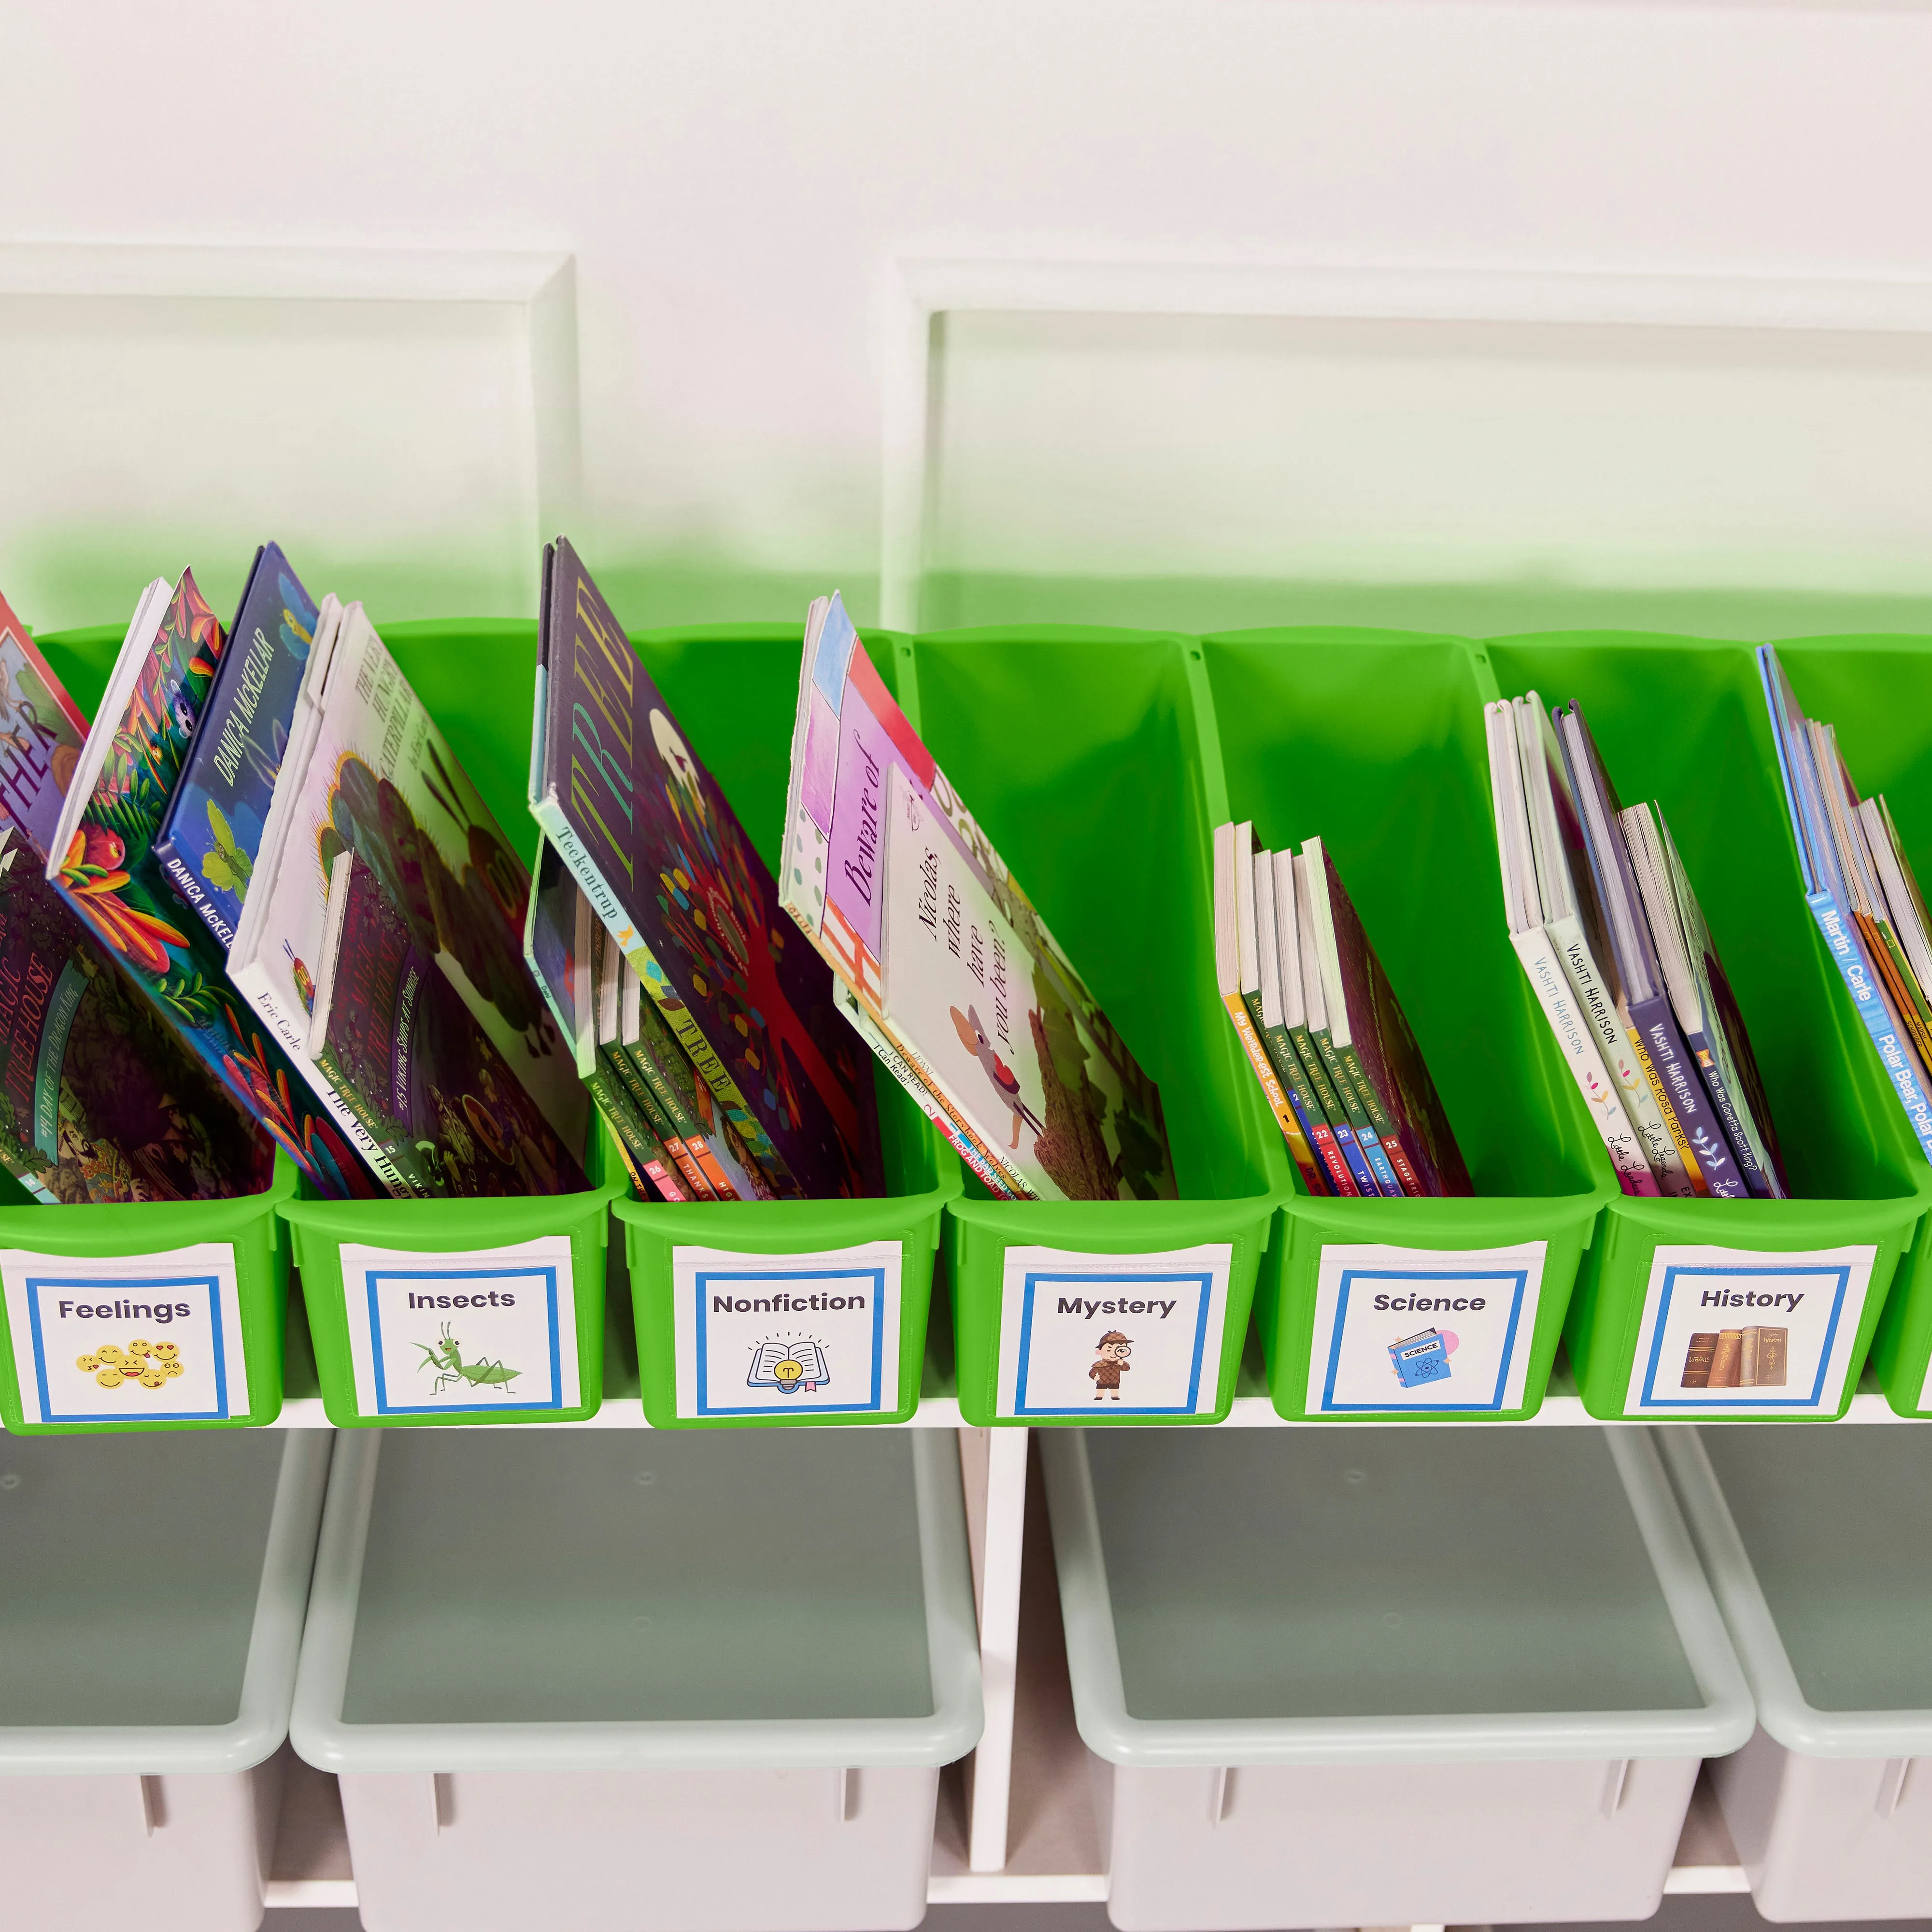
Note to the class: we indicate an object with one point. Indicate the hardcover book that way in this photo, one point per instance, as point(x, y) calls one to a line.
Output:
point(1727, 1359)
point(1697, 1360)
point(211, 834)
point(1030, 1071)
point(369, 771)
point(102, 863)
point(396, 1039)
point(670, 872)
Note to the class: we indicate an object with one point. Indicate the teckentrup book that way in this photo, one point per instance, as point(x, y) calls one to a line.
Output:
point(211, 834)
point(102, 862)
point(642, 823)
point(943, 955)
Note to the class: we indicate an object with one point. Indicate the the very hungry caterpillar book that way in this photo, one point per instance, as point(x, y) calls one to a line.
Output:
point(101, 861)
point(211, 834)
point(651, 838)
point(99, 1100)
point(1025, 1064)
point(393, 1036)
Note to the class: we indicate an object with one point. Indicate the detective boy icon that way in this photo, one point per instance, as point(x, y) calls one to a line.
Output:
point(1115, 1348)
point(1006, 1082)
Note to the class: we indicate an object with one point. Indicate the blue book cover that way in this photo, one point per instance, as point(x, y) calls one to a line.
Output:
point(1422, 1359)
point(210, 835)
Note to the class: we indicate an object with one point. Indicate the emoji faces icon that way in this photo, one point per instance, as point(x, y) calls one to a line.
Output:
point(87, 1364)
point(110, 1377)
point(152, 1378)
point(169, 1370)
point(165, 1351)
point(138, 1348)
point(110, 1351)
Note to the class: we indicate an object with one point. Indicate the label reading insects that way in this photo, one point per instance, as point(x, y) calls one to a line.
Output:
point(140, 1338)
point(493, 1331)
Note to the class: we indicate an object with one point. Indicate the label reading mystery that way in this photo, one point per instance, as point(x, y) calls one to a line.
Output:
point(1733, 1328)
point(1406, 1331)
point(789, 1334)
point(1101, 1335)
point(493, 1331)
point(141, 1338)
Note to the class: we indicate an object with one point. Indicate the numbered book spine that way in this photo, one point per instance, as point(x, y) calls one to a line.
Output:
point(1279, 1042)
point(1388, 1156)
point(642, 1154)
point(1313, 1173)
point(1681, 1094)
point(628, 1064)
point(1547, 980)
point(1374, 1174)
point(1900, 1064)
point(1273, 1092)
point(1354, 1166)
point(1622, 1060)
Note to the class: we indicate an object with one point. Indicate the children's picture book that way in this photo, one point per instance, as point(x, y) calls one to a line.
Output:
point(396, 1039)
point(992, 1020)
point(1845, 889)
point(651, 838)
point(42, 730)
point(368, 770)
point(101, 861)
point(211, 834)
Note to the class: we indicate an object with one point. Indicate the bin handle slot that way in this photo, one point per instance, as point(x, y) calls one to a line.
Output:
point(845, 1797)
point(1220, 1794)
point(1616, 1781)
point(154, 1806)
point(1892, 1785)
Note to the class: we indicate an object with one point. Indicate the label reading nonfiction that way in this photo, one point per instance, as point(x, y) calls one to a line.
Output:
point(1733, 1328)
point(790, 1335)
point(141, 1338)
point(1101, 1335)
point(493, 1331)
point(1404, 1331)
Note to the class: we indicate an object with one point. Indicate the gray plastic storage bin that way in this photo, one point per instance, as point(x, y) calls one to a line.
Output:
point(151, 1591)
point(1819, 1544)
point(602, 1679)
point(1387, 1676)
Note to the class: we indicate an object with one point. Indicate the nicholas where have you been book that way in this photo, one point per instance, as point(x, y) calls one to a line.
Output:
point(945, 967)
point(647, 833)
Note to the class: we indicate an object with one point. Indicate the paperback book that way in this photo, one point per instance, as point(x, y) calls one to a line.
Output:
point(211, 834)
point(101, 861)
point(983, 1016)
point(650, 837)
point(396, 1040)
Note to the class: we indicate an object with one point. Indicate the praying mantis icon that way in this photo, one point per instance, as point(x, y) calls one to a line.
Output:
point(446, 1360)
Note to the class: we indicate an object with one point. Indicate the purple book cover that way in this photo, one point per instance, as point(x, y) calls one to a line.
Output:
point(664, 860)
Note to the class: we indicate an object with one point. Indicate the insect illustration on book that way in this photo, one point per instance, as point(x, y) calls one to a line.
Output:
point(226, 865)
point(444, 1360)
point(146, 1365)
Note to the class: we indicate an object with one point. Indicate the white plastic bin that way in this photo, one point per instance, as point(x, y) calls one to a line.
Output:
point(151, 1591)
point(1819, 1544)
point(1385, 1676)
point(605, 1679)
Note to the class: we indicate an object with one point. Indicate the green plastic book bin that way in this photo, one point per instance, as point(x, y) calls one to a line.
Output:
point(1878, 691)
point(1373, 740)
point(1077, 751)
point(1682, 720)
point(715, 1285)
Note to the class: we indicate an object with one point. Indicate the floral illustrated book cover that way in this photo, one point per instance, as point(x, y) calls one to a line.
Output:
point(102, 863)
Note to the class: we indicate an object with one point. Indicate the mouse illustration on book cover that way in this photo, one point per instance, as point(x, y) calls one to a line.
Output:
point(974, 1037)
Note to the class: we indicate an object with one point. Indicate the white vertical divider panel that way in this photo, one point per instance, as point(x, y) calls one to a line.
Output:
point(993, 1464)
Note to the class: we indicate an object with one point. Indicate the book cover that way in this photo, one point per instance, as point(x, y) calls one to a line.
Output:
point(1101, 1127)
point(1421, 1358)
point(670, 872)
point(1698, 1358)
point(398, 1040)
point(210, 834)
point(1280, 1007)
point(368, 770)
point(1727, 1359)
point(1292, 997)
point(1368, 1164)
point(1763, 1359)
point(42, 730)
point(618, 1097)
point(102, 864)
point(1378, 1050)
point(1822, 882)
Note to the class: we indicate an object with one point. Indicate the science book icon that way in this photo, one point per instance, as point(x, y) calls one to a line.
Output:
point(147, 1365)
point(1424, 1358)
point(789, 1366)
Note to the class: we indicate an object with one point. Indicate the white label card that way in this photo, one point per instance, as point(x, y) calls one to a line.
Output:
point(1422, 1331)
point(791, 1335)
point(145, 1338)
point(493, 1331)
point(1112, 1335)
point(1730, 1328)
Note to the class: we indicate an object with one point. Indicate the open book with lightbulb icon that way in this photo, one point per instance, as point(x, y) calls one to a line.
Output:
point(788, 1365)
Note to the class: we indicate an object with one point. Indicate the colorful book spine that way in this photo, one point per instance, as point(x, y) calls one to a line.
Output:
point(1681, 1093)
point(1331, 1169)
point(1249, 1033)
point(663, 1166)
point(1375, 1174)
point(1336, 1132)
point(1901, 1064)
point(1723, 1104)
point(641, 1156)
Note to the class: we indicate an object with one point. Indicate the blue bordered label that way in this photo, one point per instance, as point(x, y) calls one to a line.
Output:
point(1100, 1336)
point(787, 1334)
point(1408, 1331)
point(138, 1339)
point(492, 1331)
point(1733, 1330)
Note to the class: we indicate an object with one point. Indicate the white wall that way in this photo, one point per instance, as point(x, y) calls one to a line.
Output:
point(733, 181)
